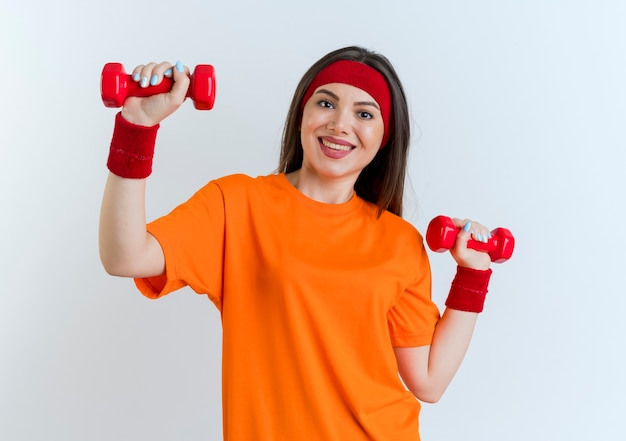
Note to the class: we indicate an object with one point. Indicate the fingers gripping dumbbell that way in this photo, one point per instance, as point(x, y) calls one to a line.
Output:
point(116, 85)
point(442, 232)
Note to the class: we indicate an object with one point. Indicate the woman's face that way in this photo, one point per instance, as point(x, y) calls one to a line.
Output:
point(341, 131)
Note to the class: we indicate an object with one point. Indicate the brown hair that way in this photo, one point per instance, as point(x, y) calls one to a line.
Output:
point(382, 181)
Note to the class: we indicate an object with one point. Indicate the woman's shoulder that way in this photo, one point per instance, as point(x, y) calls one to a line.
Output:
point(241, 181)
point(400, 227)
point(241, 186)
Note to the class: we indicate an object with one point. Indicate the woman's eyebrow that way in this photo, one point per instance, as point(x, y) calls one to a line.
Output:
point(358, 103)
point(328, 92)
point(367, 103)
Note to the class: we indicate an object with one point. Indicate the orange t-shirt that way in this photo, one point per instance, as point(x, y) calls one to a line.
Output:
point(313, 298)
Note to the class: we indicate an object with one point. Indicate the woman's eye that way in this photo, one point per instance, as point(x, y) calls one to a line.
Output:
point(325, 103)
point(365, 115)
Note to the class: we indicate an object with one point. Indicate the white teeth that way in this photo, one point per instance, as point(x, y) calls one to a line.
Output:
point(332, 145)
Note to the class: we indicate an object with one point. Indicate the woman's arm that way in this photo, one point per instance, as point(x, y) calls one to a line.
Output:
point(126, 248)
point(428, 370)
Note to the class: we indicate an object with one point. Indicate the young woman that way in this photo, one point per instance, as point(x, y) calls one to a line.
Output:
point(323, 289)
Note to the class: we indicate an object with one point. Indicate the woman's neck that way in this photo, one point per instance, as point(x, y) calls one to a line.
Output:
point(321, 189)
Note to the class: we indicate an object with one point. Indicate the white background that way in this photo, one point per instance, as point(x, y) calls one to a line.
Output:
point(519, 115)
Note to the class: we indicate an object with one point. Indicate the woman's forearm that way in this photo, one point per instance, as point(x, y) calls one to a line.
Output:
point(126, 249)
point(450, 343)
point(428, 370)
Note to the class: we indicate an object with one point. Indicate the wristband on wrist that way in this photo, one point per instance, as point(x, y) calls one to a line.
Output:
point(132, 149)
point(469, 289)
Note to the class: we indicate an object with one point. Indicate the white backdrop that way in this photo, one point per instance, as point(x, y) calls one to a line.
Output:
point(519, 114)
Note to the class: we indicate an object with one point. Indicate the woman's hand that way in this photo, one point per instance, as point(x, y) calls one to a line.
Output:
point(149, 111)
point(465, 256)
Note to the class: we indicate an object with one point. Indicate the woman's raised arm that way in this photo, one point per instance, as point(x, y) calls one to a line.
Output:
point(126, 248)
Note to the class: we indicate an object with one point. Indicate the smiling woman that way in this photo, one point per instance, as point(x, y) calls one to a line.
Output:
point(382, 180)
point(341, 132)
point(323, 289)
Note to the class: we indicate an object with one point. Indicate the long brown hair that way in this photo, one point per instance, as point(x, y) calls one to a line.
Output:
point(382, 181)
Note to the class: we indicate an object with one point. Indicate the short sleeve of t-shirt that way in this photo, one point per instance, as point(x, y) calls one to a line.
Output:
point(413, 318)
point(192, 239)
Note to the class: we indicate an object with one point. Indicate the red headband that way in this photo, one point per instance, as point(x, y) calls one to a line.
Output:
point(358, 75)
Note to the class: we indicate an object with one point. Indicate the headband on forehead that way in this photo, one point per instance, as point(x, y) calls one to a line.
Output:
point(358, 75)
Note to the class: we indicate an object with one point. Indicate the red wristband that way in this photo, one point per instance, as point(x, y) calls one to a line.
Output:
point(469, 289)
point(132, 149)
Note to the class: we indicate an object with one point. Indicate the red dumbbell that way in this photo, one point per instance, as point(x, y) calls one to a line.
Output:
point(116, 85)
point(441, 234)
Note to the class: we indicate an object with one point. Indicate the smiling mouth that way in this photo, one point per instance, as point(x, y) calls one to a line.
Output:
point(338, 147)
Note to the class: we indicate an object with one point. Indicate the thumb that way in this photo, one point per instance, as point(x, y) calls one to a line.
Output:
point(463, 236)
point(180, 75)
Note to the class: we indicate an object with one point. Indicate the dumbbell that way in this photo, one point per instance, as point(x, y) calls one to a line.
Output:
point(116, 85)
point(442, 232)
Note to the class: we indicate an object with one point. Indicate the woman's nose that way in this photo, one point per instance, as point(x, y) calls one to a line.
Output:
point(339, 122)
